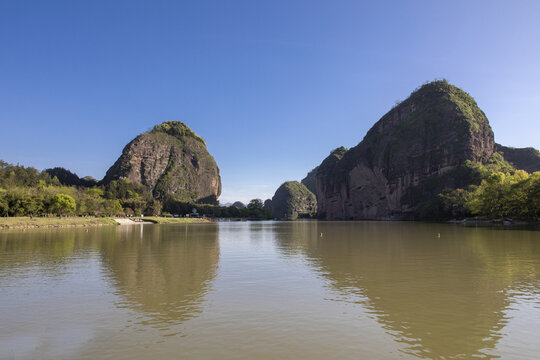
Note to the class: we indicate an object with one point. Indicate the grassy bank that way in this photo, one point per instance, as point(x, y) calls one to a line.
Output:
point(166, 220)
point(52, 222)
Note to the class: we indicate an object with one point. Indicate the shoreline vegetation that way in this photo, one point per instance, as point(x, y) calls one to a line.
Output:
point(27, 222)
point(28, 192)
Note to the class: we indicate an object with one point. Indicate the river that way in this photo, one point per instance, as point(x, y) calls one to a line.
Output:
point(270, 290)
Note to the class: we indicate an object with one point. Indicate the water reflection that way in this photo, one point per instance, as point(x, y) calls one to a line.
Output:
point(49, 252)
point(163, 271)
point(444, 297)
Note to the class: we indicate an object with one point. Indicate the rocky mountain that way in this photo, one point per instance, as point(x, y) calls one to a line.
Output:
point(292, 200)
point(527, 159)
point(309, 180)
point(170, 160)
point(413, 152)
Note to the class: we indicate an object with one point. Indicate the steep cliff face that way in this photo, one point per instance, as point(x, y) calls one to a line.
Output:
point(293, 200)
point(309, 180)
point(416, 145)
point(527, 159)
point(170, 160)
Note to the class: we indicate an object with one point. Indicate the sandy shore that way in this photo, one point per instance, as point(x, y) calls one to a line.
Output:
point(125, 221)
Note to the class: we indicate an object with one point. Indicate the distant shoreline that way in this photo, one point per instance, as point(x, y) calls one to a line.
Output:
point(25, 222)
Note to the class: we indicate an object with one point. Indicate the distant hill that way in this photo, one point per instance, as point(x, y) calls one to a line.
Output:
point(239, 205)
point(66, 177)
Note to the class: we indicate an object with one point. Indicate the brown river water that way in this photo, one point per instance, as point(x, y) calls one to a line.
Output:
point(270, 290)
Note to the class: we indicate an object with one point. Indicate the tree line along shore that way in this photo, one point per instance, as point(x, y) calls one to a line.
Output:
point(33, 198)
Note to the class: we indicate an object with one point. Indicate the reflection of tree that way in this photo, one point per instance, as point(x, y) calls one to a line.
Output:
point(441, 297)
point(49, 250)
point(165, 271)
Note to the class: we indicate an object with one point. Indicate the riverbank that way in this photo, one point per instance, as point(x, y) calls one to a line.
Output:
point(53, 222)
point(24, 222)
point(509, 223)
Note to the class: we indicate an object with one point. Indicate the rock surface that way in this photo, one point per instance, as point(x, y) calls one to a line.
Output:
point(527, 159)
point(170, 160)
point(309, 180)
point(292, 200)
point(429, 135)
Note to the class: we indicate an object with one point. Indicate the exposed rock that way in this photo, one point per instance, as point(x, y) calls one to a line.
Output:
point(418, 145)
point(527, 159)
point(170, 160)
point(292, 200)
point(309, 180)
point(239, 205)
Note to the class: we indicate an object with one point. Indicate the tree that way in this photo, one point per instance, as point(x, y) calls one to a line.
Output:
point(63, 204)
point(153, 207)
point(95, 191)
point(4, 207)
point(112, 207)
point(257, 210)
point(255, 204)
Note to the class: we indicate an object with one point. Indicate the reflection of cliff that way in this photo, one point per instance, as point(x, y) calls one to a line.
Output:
point(442, 297)
point(163, 271)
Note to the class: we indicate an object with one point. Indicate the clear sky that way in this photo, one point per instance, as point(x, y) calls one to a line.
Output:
point(272, 86)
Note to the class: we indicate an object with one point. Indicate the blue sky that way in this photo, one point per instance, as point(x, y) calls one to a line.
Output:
point(271, 86)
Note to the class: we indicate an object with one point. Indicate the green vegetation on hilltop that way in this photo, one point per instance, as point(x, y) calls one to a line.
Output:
point(431, 94)
point(177, 129)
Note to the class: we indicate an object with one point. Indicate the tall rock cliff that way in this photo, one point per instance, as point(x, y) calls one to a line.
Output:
point(292, 200)
point(309, 180)
point(170, 160)
point(416, 145)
